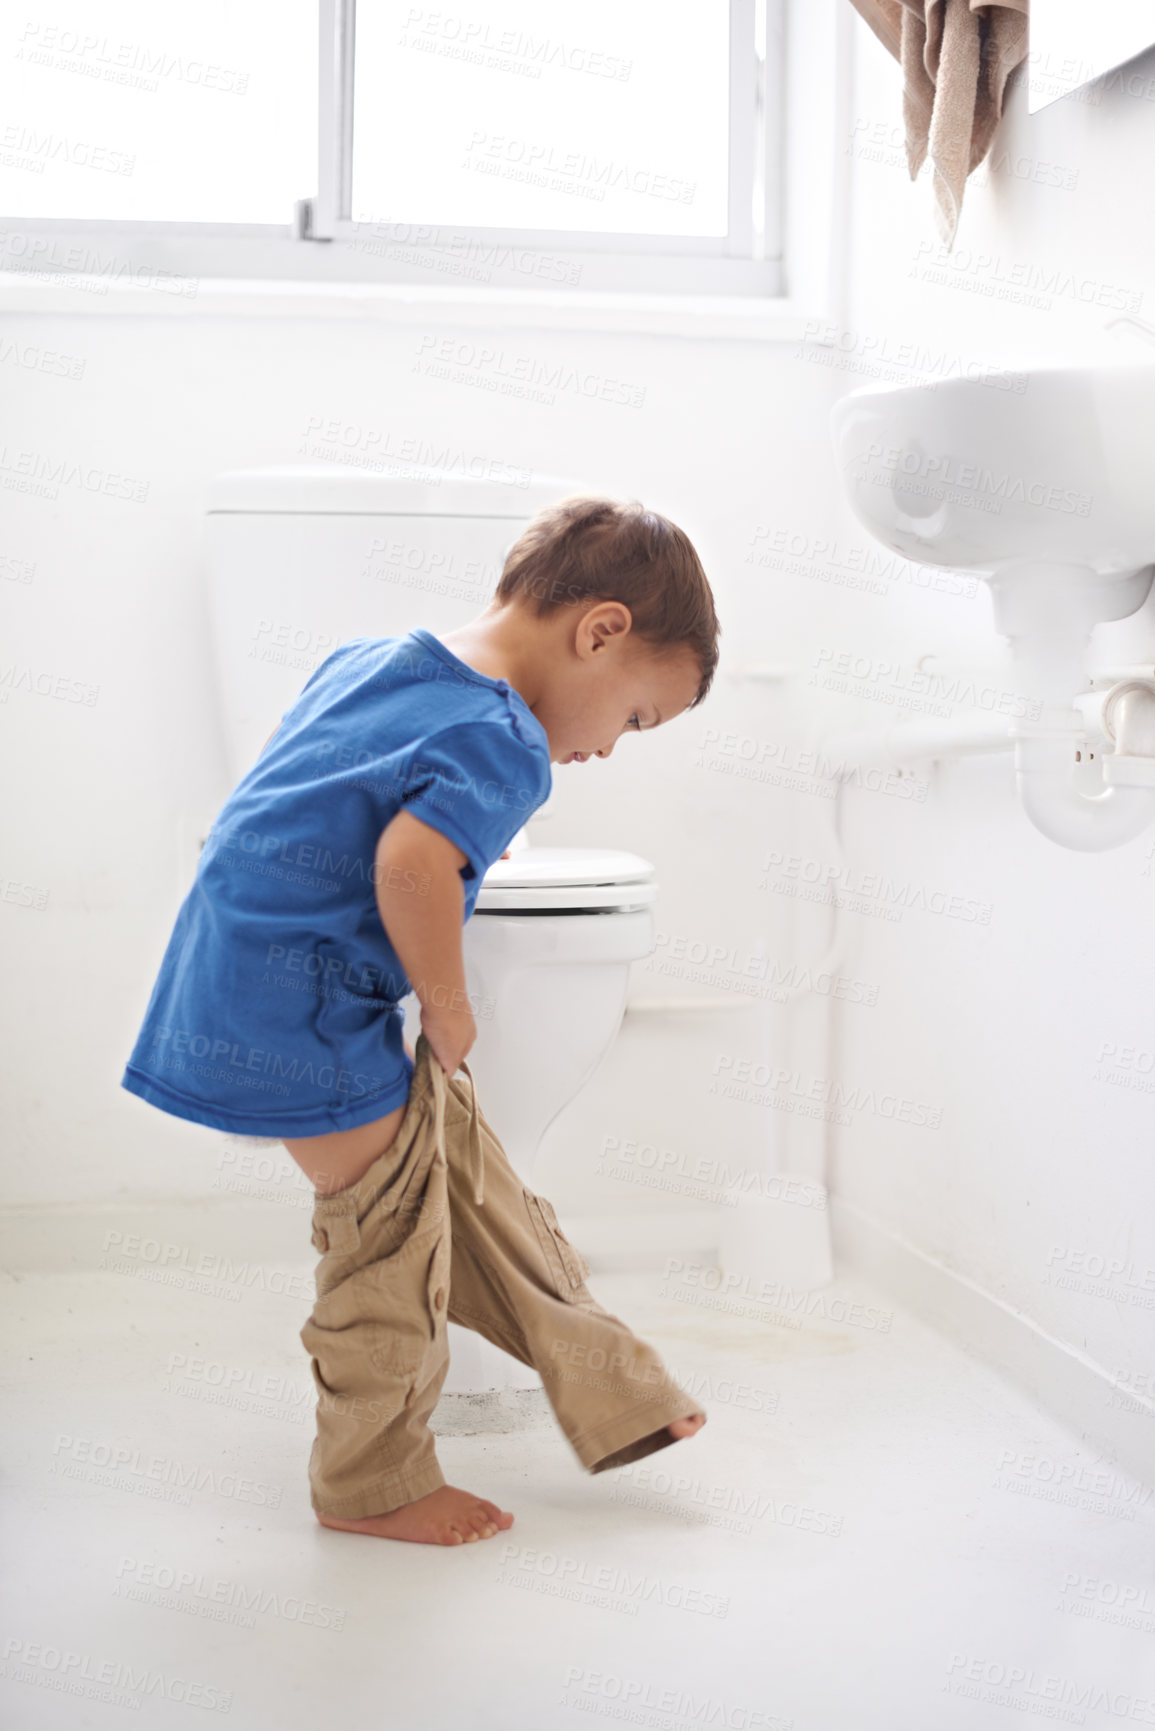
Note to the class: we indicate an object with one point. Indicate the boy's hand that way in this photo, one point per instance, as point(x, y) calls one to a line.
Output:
point(451, 1033)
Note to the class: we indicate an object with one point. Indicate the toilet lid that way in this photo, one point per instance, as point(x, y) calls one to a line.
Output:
point(539, 879)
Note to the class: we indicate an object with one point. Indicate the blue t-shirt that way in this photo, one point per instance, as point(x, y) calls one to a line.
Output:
point(275, 1012)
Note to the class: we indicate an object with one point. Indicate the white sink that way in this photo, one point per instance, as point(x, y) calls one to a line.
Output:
point(1043, 482)
point(1012, 474)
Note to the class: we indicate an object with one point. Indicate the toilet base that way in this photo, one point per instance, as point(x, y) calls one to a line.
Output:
point(496, 1412)
point(477, 1367)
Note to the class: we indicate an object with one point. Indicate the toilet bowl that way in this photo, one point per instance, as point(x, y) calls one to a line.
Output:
point(547, 954)
point(300, 560)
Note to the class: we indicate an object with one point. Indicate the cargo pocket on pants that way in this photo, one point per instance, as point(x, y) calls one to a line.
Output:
point(406, 1322)
point(371, 1329)
point(365, 1338)
point(568, 1267)
point(437, 1300)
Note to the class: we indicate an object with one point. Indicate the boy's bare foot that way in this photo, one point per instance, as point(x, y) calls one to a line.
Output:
point(683, 1427)
point(447, 1516)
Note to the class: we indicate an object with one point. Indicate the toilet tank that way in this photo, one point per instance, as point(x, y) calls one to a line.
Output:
point(300, 560)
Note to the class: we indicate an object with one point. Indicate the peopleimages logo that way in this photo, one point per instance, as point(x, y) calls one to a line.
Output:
point(229, 1055)
point(287, 851)
point(973, 478)
point(829, 878)
point(415, 775)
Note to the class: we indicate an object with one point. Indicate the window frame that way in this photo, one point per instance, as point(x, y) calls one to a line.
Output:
point(320, 242)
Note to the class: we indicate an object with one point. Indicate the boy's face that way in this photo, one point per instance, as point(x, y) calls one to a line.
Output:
point(605, 681)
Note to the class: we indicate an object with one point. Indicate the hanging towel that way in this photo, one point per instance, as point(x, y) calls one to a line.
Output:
point(956, 57)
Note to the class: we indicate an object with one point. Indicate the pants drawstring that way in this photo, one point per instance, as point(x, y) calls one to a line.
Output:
point(476, 1151)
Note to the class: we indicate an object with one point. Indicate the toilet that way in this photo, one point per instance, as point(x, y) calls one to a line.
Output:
point(299, 560)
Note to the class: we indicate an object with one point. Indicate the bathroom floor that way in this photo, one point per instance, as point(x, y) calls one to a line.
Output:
point(868, 1533)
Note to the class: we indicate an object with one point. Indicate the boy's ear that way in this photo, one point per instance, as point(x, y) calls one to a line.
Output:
point(608, 619)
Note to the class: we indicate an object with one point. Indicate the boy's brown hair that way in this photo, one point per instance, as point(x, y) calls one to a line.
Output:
point(585, 549)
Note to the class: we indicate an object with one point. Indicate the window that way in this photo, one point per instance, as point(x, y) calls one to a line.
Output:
point(611, 144)
point(121, 111)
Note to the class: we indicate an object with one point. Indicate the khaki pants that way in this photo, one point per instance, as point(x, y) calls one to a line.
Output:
point(441, 1228)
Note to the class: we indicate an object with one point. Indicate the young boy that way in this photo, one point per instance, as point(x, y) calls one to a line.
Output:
point(335, 881)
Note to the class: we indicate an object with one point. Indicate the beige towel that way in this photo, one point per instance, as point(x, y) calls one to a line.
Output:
point(956, 57)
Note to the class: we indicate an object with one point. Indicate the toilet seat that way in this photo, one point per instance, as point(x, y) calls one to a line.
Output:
point(567, 880)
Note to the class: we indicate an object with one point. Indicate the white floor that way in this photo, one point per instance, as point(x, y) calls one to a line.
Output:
point(873, 1531)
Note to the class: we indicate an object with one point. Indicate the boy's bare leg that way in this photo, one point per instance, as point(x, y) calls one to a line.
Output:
point(338, 1159)
point(448, 1515)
